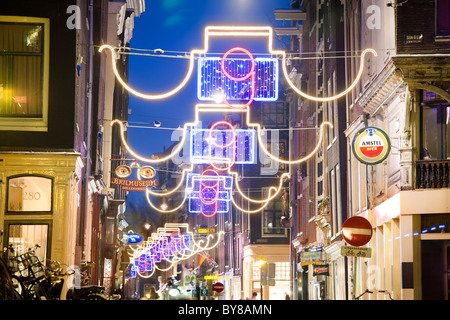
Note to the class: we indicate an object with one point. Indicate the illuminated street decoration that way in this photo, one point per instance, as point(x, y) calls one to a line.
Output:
point(235, 31)
point(242, 148)
point(164, 248)
point(227, 163)
point(213, 84)
point(221, 146)
point(209, 192)
point(233, 84)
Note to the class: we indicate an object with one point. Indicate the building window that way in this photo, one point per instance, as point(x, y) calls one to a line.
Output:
point(282, 271)
point(274, 114)
point(24, 63)
point(29, 194)
point(272, 216)
point(442, 20)
point(435, 131)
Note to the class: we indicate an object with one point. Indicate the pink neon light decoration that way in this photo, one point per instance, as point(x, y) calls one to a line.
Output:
point(250, 74)
point(231, 143)
point(233, 140)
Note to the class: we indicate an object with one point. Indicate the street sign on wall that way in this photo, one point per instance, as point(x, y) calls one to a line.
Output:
point(134, 238)
point(357, 231)
point(360, 252)
point(371, 145)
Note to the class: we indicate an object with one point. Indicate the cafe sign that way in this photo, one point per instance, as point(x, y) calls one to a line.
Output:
point(371, 145)
point(321, 270)
point(310, 257)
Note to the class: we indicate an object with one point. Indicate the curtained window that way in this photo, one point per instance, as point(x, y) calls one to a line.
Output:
point(23, 70)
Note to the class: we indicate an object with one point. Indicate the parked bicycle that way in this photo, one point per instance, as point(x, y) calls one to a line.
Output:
point(35, 281)
point(377, 291)
point(30, 275)
point(7, 286)
point(84, 292)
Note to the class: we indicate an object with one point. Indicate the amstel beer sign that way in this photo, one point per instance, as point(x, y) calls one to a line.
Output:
point(371, 145)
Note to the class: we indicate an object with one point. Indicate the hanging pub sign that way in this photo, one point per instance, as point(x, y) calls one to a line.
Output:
point(321, 270)
point(371, 145)
point(310, 257)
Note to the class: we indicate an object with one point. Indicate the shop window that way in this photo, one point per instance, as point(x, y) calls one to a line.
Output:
point(24, 57)
point(29, 194)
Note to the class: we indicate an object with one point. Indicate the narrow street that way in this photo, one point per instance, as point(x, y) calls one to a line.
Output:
point(250, 153)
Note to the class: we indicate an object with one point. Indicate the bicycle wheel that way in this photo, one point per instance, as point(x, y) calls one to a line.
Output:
point(7, 292)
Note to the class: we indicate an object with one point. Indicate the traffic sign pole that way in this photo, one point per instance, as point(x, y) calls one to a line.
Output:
point(357, 231)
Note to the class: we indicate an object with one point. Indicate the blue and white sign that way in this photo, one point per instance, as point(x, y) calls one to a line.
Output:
point(134, 238)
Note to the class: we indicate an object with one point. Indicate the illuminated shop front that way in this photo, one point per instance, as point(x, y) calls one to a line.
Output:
point(39, 203)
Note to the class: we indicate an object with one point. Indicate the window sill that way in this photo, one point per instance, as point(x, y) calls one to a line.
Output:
point(445, 38)
point(16, 124)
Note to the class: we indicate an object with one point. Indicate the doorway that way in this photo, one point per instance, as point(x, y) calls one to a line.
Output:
point(435, 269)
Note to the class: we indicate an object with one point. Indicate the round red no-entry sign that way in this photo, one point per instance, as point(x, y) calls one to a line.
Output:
point(218, 287)
point(357, 231)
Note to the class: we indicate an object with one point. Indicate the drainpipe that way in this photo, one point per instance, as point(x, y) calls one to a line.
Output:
point(349, 176)
point(88, 124)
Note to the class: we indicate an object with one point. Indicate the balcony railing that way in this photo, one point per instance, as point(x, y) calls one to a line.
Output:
point(432, 174)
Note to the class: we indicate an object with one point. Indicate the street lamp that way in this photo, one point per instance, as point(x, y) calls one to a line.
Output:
point(164, 205)
point(260, 263)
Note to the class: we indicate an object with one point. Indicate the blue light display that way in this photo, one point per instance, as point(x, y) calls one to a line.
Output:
point(243, 150)
point(215, 191)
point(212, 81)
point(166, 247)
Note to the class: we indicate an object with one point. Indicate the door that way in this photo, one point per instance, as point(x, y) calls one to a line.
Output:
point(447, 269)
